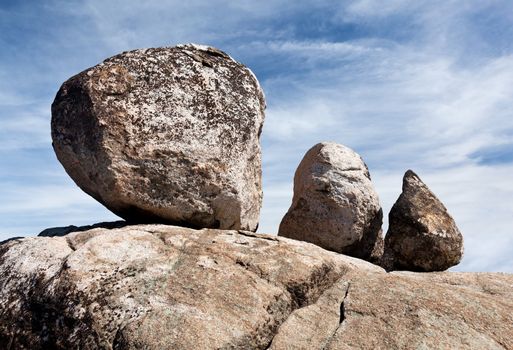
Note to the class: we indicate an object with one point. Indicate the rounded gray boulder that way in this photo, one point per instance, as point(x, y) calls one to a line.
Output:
point(165, 135)
point(335, 205)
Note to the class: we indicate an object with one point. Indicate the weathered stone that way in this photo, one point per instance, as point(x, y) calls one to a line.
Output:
point(335, 205)
point(165, 287)
point(406, 310)
point(422, 236)
point(165, 135)
point(156, 286)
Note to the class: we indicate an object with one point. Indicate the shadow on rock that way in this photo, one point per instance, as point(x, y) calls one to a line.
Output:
point(62, 231)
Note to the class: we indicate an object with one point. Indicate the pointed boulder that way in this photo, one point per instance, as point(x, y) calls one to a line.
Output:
point(422, 236)
point(335, 205)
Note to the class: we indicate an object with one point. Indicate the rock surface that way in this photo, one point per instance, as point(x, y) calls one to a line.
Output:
point(165, 135)
point(335, 205)
point(422, 236)
point(166, 287)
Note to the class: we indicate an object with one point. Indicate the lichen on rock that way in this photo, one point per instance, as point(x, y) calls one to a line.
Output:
point(165, 135)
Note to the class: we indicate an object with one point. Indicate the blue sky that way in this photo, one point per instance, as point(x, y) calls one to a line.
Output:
point(426, 85)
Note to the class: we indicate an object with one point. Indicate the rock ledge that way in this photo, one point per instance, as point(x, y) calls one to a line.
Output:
point(167, 287)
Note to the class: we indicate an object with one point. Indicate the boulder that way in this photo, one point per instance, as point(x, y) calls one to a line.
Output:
point(165, 135)
point(335, 205)
point(422, 236)
point(166, 287)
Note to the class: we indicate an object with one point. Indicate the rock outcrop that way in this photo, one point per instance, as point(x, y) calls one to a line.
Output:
point(335, 205)
point(166, 287)
point(165, 135)
point(422, 236)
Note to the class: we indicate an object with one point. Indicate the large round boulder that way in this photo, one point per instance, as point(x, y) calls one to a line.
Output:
point(335, 205)
point(421, 236)
point(165, 135)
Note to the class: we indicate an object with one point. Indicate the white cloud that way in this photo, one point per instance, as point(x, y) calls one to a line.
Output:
point(319, 49)
point(287, 122)
point(412, 103)
point(26, 126)
point(376, 8)
point(27, 209)
point(9, 99)
point(277, 199)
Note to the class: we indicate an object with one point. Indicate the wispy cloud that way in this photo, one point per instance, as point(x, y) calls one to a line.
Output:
point(415, 102)
point(24, 127)
point(27, 209)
